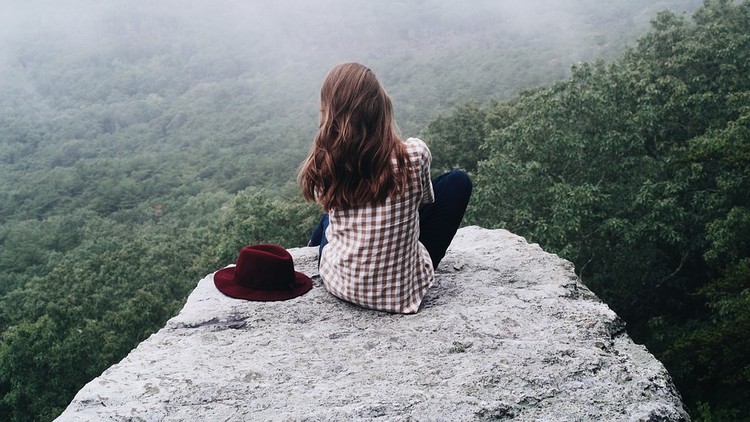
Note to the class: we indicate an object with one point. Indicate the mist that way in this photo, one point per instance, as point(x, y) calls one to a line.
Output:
point(287, 46)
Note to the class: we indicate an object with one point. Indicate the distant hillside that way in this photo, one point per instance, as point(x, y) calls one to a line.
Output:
point(141, 143)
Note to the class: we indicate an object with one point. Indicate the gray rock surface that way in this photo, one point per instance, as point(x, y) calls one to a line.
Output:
point(506, 332)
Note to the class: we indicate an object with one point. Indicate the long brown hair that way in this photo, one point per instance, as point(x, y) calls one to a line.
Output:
point(349, 163)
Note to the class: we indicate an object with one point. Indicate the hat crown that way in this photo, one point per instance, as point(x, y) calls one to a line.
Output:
point(263, 272)
point(265, 267)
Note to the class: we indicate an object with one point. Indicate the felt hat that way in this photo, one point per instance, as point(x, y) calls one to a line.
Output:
point(263, 273)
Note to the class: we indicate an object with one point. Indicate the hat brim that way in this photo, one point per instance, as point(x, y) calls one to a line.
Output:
point(224, 281)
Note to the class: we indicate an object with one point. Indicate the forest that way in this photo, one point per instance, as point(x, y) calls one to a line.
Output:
point(143, 143)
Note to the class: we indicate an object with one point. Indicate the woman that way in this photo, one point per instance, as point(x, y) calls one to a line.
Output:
point(386, 227)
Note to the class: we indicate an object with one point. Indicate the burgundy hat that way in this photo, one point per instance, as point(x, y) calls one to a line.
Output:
point(263, 273)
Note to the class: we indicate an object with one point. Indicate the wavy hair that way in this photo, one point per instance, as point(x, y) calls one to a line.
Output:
point(349, 163)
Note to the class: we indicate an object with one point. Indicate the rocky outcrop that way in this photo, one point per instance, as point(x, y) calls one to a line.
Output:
point(506, 332)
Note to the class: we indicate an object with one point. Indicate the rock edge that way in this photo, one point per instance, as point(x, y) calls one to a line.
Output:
point(506, 332)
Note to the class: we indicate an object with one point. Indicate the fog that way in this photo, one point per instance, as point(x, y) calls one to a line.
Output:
point(322, 31)
point(473, 51)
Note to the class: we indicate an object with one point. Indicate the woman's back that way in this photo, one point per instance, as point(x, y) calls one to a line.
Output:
point(373, 257)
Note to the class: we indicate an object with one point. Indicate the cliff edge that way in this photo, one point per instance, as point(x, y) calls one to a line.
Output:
point(506, 332)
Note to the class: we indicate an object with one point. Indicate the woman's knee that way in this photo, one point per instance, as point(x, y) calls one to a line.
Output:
point(461, 181)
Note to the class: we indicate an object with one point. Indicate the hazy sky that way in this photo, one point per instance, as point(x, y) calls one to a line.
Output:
point(294, 42)
point(306, 24)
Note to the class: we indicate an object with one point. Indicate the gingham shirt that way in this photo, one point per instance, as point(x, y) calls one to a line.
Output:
point(373, 257)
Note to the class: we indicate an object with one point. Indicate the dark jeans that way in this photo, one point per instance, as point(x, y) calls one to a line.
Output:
point(438, 221)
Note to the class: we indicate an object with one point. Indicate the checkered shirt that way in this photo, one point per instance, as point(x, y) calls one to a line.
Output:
point(373, 257)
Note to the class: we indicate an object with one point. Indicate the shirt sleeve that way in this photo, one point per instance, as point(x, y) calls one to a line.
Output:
point(428, 196)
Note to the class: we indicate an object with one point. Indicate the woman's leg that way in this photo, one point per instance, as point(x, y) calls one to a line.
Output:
point(439, 221)
point(318, 237)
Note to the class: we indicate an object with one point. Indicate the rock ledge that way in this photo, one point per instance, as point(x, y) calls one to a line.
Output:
point(507, 332)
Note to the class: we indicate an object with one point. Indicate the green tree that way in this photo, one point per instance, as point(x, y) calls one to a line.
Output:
point(254, 218)
point(456, 140)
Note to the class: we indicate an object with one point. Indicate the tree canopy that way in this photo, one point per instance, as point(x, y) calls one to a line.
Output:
point(142, 143)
